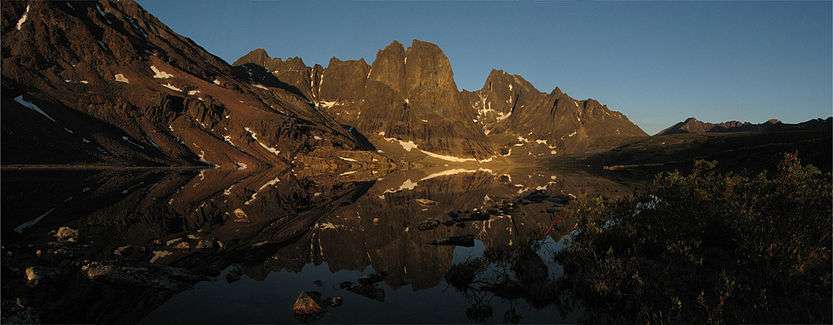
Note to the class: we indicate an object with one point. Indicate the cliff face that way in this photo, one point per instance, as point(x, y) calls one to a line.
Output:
point(409, 96)
point(405, 96)
point(107, 83)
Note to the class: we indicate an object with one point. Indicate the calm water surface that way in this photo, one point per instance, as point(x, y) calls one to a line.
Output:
point(442, 245)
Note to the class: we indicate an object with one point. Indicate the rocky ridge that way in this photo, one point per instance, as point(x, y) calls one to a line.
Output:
point(516, 114)
point(408, 96)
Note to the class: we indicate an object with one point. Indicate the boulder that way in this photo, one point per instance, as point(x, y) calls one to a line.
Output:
point(38, 274)
point(66, 234)
point(305, 305)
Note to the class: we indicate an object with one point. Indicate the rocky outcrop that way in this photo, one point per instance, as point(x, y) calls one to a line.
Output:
point(106, 83)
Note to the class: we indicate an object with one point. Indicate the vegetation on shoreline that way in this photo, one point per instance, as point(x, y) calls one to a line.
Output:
point(705, 247)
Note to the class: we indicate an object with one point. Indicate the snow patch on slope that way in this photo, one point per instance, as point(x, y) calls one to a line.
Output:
point(23, 18)
point(447, 158)
point(30, 105)
point(171, 87)
point(125, 138)
point(457, 171)
point(265, 146)
point(159, 74)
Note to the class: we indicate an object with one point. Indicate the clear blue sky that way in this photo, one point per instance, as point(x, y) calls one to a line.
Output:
point(657, 62)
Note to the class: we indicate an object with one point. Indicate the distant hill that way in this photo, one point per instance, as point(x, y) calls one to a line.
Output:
point(693, 125)
point(745, 147)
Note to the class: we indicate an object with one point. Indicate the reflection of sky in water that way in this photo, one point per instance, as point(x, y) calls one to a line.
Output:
point(461, 253)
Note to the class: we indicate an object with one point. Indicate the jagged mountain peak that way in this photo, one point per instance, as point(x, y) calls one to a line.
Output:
point(422, 43)
point(257, 56)
point(335, 60)
point(258, 52)
point(499, 79)
point(389, 66)
point(394, 44)
point(411, 88)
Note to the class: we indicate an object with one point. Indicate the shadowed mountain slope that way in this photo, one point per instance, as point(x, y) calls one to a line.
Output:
point(107, 83)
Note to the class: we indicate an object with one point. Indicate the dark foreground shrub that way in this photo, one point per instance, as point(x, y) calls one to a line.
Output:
point(706, 247)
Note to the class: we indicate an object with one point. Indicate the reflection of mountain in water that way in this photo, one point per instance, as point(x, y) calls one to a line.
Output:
point(382, 228)
point(173, 228)
point(222, 216)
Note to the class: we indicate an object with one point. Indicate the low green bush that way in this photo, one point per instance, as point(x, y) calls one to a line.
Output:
point(706, 248)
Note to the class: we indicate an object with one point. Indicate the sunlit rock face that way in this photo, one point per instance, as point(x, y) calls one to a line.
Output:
point(406, 94)
point(533, 123)
point(409, 95)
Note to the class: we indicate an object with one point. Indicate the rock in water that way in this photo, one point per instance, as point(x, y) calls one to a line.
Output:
point(304, 305)
point(32, 275)
point(66, 234)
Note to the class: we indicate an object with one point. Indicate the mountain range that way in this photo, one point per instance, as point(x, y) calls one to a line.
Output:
point(107, 83)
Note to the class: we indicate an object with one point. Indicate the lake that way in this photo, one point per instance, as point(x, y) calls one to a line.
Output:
point(212, 246)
